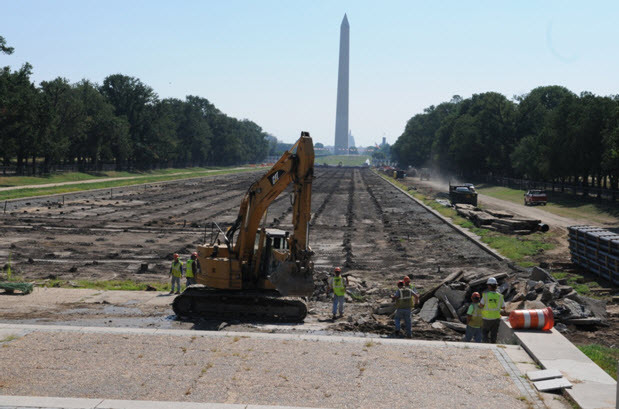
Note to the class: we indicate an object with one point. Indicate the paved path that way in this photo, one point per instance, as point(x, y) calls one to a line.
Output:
point(592, 388)
point(97, 180)
point(256, 368)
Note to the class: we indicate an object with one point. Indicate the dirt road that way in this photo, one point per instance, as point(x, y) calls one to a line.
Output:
point(534, 212)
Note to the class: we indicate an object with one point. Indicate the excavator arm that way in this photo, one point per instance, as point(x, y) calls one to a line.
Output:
point(296, 166)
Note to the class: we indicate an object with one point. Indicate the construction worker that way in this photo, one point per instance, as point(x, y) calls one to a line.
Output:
point(403, 298)
point(409, 284)
point(176, 271)
point(473, 320)
point(191, 269)
point(338, 284)
point(492, 304)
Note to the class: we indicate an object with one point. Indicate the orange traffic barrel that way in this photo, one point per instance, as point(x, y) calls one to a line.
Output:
point(537, 319)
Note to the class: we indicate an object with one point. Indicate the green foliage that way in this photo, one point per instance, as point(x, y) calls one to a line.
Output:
point(549, 133)
point(122, 121)
point(5, 49)
point(605, 357)
point(346, 160)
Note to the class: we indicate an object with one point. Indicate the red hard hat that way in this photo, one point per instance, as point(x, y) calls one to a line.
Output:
point(475, 295)
point(175, 255)
point(407, 280)
point(194, 254)
point(337, 269)
point(400, 282)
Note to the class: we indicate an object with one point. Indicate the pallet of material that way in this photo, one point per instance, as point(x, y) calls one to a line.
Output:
point(499, 214)
point(597, 250)
point(516, 224)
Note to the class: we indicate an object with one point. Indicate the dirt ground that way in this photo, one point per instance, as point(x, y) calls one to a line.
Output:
point(360, 222)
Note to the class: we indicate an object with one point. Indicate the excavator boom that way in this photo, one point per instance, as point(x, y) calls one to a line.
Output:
point(255, 266)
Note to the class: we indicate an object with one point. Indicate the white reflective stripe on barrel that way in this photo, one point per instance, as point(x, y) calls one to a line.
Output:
point(541, 321)
point(527, 319)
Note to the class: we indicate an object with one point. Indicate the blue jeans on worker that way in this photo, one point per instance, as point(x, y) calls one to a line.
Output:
point(472, 334)
point(176, 281)
point(403, 314)
point(338, 301)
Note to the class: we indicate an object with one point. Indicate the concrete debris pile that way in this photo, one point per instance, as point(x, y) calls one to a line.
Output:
point(499, 221)
point(448, 301)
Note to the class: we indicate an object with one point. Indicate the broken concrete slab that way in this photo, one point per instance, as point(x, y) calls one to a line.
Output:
point(534, 305)
point(552, 384)
point(456, 297)
point(429, 312)
point(539, 274)
point(544, 375)
point(456, 326)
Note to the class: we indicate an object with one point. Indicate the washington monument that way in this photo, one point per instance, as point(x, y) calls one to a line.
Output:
point(341, 112)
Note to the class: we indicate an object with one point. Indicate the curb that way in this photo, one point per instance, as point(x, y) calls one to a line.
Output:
point(471, 236)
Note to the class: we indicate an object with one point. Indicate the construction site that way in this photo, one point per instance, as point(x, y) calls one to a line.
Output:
point(375, 231)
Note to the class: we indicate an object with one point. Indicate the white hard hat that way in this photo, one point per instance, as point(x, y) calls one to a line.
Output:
point(491, 281)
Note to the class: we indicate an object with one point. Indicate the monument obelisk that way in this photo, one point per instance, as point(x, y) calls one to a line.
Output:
point(341, 111)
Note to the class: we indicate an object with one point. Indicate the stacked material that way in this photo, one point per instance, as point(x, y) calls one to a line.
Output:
point(497, 220)
point(597, 250)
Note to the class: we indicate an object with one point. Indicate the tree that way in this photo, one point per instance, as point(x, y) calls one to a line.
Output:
point(17, 113)
point(5, 49)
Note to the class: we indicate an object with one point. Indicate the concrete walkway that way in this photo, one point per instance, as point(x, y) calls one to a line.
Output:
point(245, 369)
point(592, 388)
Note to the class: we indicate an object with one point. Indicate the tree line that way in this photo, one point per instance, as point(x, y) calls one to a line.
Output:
point(121, 121)
point(549, 134)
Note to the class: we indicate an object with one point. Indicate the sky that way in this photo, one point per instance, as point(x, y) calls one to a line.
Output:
point(276, 62)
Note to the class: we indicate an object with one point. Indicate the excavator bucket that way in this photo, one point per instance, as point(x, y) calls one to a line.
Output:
point(291, 280)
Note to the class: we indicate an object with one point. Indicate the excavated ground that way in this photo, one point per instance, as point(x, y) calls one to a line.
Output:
point(360, 222)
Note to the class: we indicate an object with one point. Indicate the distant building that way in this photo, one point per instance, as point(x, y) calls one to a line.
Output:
point(351, 140)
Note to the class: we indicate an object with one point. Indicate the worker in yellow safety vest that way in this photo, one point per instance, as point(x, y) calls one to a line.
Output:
point(192, 267)
point(474, 320)
point(338, 284)
point(176, 272)
point(409, 284)
point(403, 298)
point(492, 306)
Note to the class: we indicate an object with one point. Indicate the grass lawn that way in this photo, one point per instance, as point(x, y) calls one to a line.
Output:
point(9, 181)
point(125, 285)
point(520, 249)
point(606, 358)
point(164, 175)
point(347, 160)
point(562, 204)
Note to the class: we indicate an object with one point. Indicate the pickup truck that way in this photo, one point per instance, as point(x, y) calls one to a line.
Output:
point(533, 197)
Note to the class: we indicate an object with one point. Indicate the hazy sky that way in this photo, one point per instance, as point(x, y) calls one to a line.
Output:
point(275, 62)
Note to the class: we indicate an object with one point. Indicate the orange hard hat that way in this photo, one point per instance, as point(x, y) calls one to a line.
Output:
point(475, 296)
point(175, 255)
point(407, 280)
point(337, 270)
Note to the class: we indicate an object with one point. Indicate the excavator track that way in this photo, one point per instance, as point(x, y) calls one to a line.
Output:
point(204, 302)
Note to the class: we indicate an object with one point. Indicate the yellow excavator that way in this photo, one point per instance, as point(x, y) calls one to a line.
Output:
point(261, 273)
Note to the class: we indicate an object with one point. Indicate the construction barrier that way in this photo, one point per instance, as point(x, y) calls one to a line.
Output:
point(532, 319)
